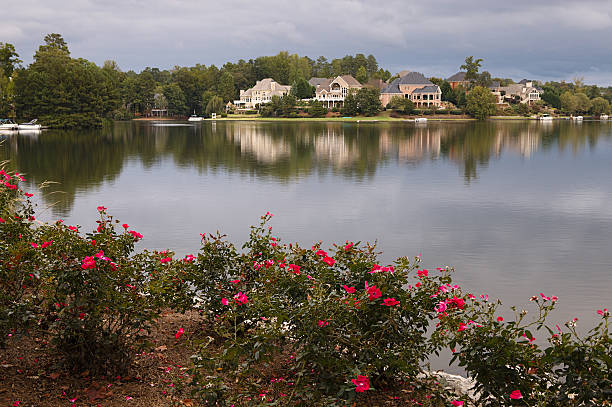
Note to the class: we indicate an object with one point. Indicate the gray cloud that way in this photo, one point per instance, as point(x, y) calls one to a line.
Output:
point(546, 39)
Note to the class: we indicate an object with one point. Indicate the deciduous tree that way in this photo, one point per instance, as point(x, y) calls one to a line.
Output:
point(362, 74)
point(569, 103)
point(480, 103)
point(226, 89)
point(177, 105)
point(471, 68)
point(583, 103)
point(301, 89)
point(9, 59)
point(600, 106)
point(215, 105)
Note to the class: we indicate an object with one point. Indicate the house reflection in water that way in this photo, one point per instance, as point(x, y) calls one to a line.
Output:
point(421, 143)
point(255, 141)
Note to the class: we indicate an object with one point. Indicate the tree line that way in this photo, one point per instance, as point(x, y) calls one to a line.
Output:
point(63, 91)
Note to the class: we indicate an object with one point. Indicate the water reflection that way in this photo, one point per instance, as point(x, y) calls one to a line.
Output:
point(84, 160)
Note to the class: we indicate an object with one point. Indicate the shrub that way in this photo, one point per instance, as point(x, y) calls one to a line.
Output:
point(88, 294)
point(316, 109)
point(507, 362)
point(97, 298)
point(19, 274)
point(341, 315)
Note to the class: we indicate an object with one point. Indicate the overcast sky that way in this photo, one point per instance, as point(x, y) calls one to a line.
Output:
point(537, 39)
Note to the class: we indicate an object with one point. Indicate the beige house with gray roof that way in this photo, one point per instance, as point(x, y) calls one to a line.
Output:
point(332, 91)
point(522, 92)
point(414, 86)
point(261, 93)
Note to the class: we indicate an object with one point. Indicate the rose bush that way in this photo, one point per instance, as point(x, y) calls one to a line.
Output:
point(98, 304)
point(335, 317)
point(511, 367)
point(19, 274)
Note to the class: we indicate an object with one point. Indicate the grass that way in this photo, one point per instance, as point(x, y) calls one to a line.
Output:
point(384, 117)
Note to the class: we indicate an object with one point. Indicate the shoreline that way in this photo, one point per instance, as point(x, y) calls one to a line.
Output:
point(375, 119)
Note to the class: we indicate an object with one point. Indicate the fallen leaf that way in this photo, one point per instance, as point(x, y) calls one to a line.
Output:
point(95, 392)
point(188, 402)
point(54, 376)
point(161, 348)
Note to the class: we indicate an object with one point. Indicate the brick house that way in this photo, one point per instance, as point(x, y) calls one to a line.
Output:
point(458, 79)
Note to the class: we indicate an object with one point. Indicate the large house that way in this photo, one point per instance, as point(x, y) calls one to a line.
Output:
point(332, 91)
point(458, 79)
point(522, 92)
point(261, 93)
point(414, 86)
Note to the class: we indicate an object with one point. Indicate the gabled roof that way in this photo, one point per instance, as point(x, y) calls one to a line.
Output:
point(428, 89)
point(519, 89)
point(513, 89)
point(414, 78)
point(317, 81)
point(269, 85)
point(393, 87)
point(458, 77)
point(352, 82)
point(524, 81)
point(324, 84)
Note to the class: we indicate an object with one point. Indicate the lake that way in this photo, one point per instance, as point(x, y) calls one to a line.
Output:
point(517, 207)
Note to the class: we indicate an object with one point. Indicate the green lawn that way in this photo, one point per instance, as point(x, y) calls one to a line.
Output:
point(362, 119)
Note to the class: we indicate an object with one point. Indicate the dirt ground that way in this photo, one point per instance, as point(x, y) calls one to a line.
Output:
point(31, 375)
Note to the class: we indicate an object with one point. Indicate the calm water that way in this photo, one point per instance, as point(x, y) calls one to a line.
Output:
point(517, 208)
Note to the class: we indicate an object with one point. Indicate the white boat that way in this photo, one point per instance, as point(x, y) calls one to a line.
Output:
point(603, 117)
point(31, 125)
point(30, 133)
point(194, 118)
point(578, 118)
point(8, 124)
point(546, 117)
point(420, 120)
